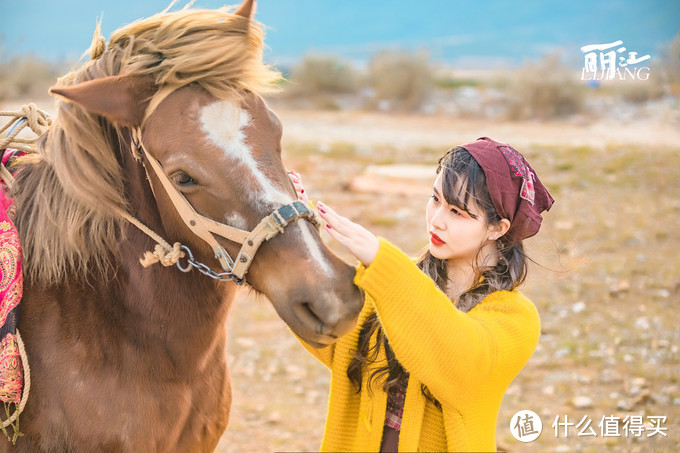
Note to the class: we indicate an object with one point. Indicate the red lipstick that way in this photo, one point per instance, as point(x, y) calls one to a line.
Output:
point(436, 240)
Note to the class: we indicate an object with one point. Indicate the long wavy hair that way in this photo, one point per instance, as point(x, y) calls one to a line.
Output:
point(463, 183)
point(69, 193)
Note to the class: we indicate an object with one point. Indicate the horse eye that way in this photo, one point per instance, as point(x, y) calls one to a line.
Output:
point(184, 180)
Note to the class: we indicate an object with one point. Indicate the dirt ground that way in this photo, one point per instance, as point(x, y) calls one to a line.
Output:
point(606, 284)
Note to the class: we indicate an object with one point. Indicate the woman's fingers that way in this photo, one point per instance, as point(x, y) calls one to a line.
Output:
point(326, 213)
point(299, 188)
point(358, 240)
point(337, 222)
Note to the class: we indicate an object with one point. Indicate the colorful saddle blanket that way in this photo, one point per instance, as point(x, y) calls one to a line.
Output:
point(11, 290)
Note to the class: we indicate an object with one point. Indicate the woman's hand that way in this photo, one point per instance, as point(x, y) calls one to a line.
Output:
point(360, 242)
point(299, 188)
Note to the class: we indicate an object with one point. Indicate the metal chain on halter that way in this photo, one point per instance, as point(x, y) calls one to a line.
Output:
point(205, 270)
point(169, 255)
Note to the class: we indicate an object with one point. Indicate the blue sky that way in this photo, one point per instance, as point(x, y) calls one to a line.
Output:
point(485, 32)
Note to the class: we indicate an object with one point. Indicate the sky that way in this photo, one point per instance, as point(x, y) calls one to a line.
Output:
point(482, 33)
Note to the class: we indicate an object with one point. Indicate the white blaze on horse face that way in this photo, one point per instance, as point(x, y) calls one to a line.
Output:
point(315, 249)
point(224, 123)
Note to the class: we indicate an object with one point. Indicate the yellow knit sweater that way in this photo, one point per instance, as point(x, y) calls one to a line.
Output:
point(466, 360)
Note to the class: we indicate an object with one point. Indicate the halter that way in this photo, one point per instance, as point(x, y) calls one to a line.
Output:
point(204, 227)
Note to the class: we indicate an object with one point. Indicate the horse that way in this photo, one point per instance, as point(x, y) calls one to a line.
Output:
point(163, 133)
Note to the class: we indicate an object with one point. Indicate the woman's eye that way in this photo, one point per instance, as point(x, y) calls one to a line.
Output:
point(435, 199)
point(182, 179)
point(455, 211)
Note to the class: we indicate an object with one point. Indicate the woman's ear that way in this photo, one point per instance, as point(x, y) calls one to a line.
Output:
point(496, 231)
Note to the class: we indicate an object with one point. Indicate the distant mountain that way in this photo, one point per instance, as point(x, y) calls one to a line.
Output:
point(486, 33)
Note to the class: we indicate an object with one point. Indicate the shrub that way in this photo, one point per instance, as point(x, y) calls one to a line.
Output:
point(670, 65)
point(544, 89)
point(640, 91)
point(399, 79)
point(318, 74)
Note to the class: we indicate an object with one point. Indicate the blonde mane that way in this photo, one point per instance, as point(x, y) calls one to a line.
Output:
point(68, 194)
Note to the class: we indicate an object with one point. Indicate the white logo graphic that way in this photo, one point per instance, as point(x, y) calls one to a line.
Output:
point(606, 62)
point(526, 426)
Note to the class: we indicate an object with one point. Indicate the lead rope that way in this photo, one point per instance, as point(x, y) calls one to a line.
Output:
point(163, 252)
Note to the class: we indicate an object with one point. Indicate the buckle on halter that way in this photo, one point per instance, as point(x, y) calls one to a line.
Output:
point(289, 212)
point(285, 214)
point(301, 208)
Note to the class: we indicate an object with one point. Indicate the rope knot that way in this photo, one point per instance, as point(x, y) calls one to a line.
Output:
point(165, 256)
point(38, 120)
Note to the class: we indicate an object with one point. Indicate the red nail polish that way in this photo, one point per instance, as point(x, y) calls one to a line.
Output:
point(322, 210)
point(302, 190)
point(328, 226)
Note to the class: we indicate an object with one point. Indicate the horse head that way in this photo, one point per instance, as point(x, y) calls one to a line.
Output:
point(218, 147)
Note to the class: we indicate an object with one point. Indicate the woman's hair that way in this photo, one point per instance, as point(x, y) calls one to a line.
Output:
point(463, 184)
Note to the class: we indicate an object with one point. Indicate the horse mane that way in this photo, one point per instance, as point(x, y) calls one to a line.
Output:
point(68, 194)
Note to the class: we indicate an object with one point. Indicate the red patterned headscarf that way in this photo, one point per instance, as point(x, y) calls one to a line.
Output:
point(517, 193)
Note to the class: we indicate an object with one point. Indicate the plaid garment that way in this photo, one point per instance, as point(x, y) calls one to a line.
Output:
point(395, 404)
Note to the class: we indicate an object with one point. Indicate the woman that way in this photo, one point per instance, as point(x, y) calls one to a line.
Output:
point(439, 340)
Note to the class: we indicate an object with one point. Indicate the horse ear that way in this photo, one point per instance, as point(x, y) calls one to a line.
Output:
point(118, 98)
point(247, 9)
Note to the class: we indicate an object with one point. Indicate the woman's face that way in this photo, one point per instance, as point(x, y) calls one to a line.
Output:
point(455, 235)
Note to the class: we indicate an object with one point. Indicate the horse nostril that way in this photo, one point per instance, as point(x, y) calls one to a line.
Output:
point(309, 317)
point(329, 314)
point(320, 323)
